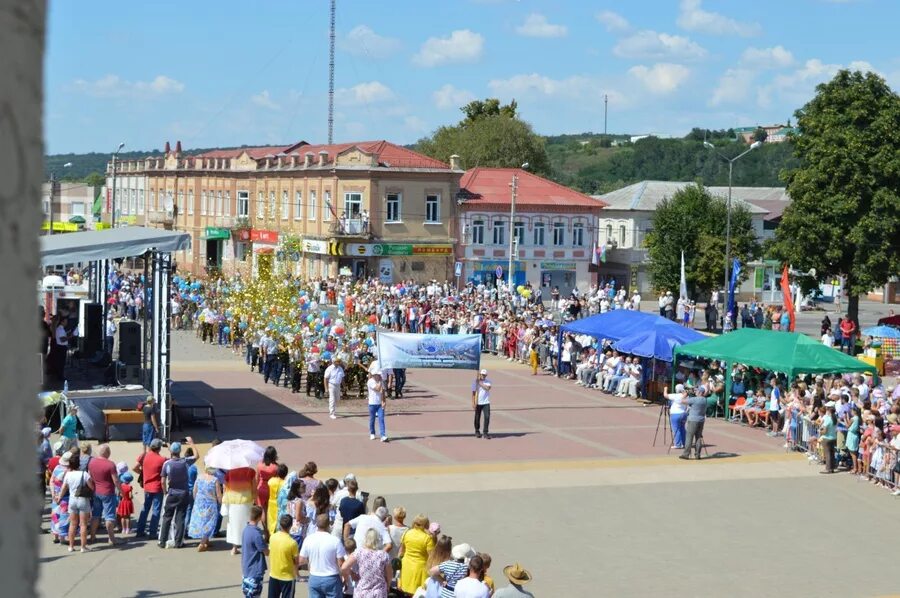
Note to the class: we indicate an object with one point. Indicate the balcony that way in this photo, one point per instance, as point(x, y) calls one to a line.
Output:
point(351, 227)
point(164, 218)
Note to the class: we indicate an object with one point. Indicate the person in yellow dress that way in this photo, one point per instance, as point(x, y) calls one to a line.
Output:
point(415, 546)
point(275, 483)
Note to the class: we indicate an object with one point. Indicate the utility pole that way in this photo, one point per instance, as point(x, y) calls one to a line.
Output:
point(514, 185)
point(605, 112)
point(112, 219)
point(331, 76)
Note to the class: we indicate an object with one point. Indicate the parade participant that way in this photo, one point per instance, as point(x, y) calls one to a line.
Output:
point(376, 405)
point(481, 403)
point(334, 377)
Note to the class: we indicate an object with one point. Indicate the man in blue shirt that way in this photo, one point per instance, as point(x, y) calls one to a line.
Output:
point(253, 555)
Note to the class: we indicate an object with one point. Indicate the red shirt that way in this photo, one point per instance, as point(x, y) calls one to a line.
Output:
point(103, 472)
point(848, 327)
point(152, 464)
point(53, 462)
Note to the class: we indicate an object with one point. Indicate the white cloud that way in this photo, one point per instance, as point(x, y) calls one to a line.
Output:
point(661, 78)
point(539, 86)
point(113, 86)
point(735, 86)
point(415, 124)
point(264, 100)
point(613, 21)
point(363, 41)
point(653, 45)
point(775, 57)
point(797, 87)
point(693, 18)
point(450, 97)
point(460, 46)
point(365, 93)
point(536, 25)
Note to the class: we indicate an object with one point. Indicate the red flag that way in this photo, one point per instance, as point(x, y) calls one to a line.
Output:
point(788, 300)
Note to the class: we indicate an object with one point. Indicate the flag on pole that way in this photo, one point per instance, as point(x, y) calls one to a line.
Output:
point(682, 289)
point(732, 287)
point(786, 291)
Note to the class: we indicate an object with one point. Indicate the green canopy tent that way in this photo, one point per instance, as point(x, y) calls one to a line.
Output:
point(788, 352)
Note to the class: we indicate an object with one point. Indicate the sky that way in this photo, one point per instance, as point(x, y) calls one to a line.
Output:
point(226, 73)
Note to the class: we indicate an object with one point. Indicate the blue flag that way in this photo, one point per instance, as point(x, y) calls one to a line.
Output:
point(735, 273)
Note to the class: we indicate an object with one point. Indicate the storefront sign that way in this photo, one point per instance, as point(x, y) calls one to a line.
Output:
point(314, 246)
point(360, 249)
point(264, 236)
point(216, 233)
point(432, 249)
point(559, 266)
point(493, 265)
point(391, 249)
point(399, 249)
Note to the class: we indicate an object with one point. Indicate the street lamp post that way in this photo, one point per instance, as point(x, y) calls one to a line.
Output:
point(513, 244)
point(731, 162)
point(112, 219)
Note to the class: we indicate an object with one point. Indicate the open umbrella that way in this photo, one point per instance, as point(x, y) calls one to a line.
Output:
point(77, 219)
point(234, 454)
point(882, 332)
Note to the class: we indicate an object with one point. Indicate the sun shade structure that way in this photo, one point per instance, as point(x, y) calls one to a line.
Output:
point(131, 241)
point(614, 325)
point(791, 353)
point(659, 341)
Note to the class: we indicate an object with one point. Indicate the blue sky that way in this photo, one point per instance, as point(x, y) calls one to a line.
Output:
point(218, 73)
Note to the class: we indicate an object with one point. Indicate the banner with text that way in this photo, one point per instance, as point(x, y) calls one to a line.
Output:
point(444, 351)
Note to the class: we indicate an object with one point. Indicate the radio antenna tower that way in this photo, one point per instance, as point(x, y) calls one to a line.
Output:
point(331, 77)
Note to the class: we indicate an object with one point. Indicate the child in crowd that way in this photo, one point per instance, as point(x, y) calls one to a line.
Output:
point(488, 580)
point(126, 503)
point(350, 584)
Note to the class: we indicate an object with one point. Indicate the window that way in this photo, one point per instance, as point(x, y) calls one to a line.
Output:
point(478, 232)
point(285, 205)
point(260, 204)
point(352, 205)
point(243, 204)
point(559, 234)
point(77, 208)
point(298, 205)
point(219, 203)
point(519, 232)
point(190, 206)
point(608, 233)
point(499, 232)
point(539, 230)
point(622, 236)
point(328, 208)
point(203, 203)
point(181, 201)
point(154, 203)
point(228, 203)
point(578, 234)
point(433, 209)
point(312, 206)
point(140, 201)
point(271, 213)
point(46, 207)
point(393, 208)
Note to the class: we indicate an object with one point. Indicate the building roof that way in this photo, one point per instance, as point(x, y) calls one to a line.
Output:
point(774, 207)
point(490, 187)
point(389, 155)
point(646, 195)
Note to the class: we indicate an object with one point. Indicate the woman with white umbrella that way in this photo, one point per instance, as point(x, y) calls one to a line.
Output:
point(238, 458)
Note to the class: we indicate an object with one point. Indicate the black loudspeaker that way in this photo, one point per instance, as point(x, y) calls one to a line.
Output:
point(130, 343)
point(92, 335)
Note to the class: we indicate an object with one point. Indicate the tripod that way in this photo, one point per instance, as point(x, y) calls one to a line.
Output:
point(663, 421)
point(697, 441)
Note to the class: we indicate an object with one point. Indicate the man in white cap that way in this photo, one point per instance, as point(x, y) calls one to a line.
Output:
point(481, 403)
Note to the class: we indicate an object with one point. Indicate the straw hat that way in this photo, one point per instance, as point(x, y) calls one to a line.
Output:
point(516, 574)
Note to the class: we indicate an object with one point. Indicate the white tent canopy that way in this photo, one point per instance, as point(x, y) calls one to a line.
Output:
point(131, 241)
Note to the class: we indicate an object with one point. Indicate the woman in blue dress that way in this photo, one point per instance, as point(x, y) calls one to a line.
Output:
point(853, 439)
point(207, 498)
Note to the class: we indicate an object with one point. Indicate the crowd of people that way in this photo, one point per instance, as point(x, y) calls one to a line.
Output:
point(287, 524)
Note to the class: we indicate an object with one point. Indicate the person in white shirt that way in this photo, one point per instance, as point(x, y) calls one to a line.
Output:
point(678, 416)
point(472, 586)
point(481, 403)
point(325, 554)
point(334, 377)
point(376, 405)
point(362, 524)
point(828, 338)
point(110, 335)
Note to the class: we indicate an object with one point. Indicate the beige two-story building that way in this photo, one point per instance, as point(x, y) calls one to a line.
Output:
point(362, 209)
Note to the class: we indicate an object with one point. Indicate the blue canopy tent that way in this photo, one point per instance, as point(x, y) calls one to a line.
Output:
point(645, 335)
point(659, 341)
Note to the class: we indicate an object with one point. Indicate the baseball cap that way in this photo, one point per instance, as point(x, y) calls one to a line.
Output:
point(175, 447)
point(156, 443)
point(484, 372)
point(679, 388)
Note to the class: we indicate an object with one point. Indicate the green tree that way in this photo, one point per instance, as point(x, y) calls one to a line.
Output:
point(844, 215)
point(760, 135)
point(95, 179)
point(490, 135)
point(693, 221)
